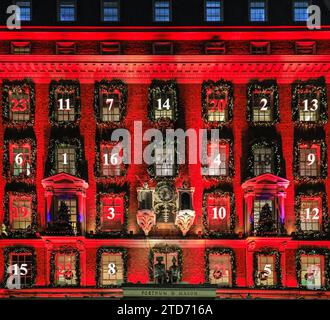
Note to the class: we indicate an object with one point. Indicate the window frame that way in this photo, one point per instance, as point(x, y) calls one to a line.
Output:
point(293, 11)
point(154, 12)
point(221, 13)
point(59, 2)
point(31, 12)
point(102, 2)
point(231, 218)
point(266, 13)
point(220, 251)
point(53, 267)
point(21, 250)
point(110, 250)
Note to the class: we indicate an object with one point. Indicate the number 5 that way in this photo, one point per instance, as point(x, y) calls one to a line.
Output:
point(268, 269)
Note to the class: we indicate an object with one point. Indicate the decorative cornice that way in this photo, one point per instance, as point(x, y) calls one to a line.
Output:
point(183, 68)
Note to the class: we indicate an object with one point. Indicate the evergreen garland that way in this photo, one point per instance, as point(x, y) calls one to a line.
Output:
point(220, 85)
point(313, 251)
point(109, 87)
point(207, 233)
point(315, 86)
point(28, 87)
point(277, 157)
point(263, 87)
point(312, 235)
point(165, 249)
point(21, 233)
point(159, 87)
point(6, 162)
point(18, 250)
point(323, 161)
point(62, 86)
point(110, 250)
point(277, 265)
point(220, 251)
point(64, 250)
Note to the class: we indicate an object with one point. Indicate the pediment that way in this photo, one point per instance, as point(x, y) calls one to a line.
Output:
point(266, 179)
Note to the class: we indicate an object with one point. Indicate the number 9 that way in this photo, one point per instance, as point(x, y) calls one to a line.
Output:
point(310, 159)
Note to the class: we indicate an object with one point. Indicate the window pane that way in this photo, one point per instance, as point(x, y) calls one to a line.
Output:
point(213, 10)
point(166, 267)
point(112, 211)
point(25, 7)
point(112, 272)
point(218, 213)
point(217, 161)
point(162, 11)
point(257, 11)
point(66, 159)
point(67, 11)
point(263, 161)
point(72, 206)
point(23, 260)
point(300, 11)
point(220, 269)
point(65, 269)
point(309, 161)
point(312, 271)
point(310, 215)
point(164, 161)
point(257, 207)
point(266, 270)
point(20, 160)
point(110, 107)
point(110, 10)
point(20, 210)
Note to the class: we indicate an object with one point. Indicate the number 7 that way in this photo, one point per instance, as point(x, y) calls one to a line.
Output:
point(110, 102)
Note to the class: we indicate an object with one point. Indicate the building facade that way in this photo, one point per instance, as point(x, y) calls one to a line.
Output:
point(78, 221)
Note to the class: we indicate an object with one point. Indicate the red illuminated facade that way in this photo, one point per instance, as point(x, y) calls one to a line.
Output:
point(77, 222)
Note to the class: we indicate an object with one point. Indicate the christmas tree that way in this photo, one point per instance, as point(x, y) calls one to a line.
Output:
point(266, 221)
point(62, 224)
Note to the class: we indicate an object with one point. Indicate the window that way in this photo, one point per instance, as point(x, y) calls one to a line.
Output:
point(262, 160)
point(65, 47)
point(67, 10)
point(107, 47)
point(220, 270)
point(217, 106)
point(65, 269)
point(300, 12)
point(213, 11)
point(217, 159)
point(260, 47)
point(262, 105)
point(310, 214)
point(257, 10)
point(215, 47)
point(163, 105)
point(110, 10)
point(312, 274)
point(305, 47)
point(166, 269)
point(71, 203)
point(266, 273)
point(257, 208)
point(25, 9)
point(20, 47)
point(65, 158)
point(145, 199)
point(110, 106)
point(112, 213)
point(65, 105)
point(22, 263)
point(20, 212)
point(165, 160)
point(309, 105)
point(20, 159)
point(309, 160)
point(218, 211)
point(162, 48)
point(19, 104)
point(162, 11)
point(112, 269)
point(111, 159)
